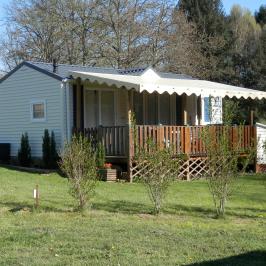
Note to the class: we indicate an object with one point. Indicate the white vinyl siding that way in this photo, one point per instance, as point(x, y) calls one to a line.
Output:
point(261, 139)
point(16, 93)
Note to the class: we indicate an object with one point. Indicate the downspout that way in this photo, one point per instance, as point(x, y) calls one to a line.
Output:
point(65, 111)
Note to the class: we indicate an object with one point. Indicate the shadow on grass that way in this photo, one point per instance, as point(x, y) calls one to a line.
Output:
point(32, 170)
point(122, 206)
point(23, 206)
point(253, 258)
point(127, 207)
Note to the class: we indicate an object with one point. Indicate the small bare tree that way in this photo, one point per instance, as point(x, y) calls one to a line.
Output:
point(227, 160)
point(158, 172)
point(78, 162)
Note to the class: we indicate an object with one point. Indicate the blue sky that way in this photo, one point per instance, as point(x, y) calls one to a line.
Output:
point(252, 5)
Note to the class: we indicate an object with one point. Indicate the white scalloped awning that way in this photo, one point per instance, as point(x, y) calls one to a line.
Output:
point(151, 81)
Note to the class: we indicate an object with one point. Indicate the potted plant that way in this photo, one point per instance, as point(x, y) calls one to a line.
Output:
point(107, 173)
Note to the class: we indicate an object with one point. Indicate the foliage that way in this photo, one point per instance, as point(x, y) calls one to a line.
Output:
point(158, 173)
point(230, 112)
point(100, 155)
point(78, 162)
point(24, 153)
point(50, 155)
point(223, 162)
point(261, 15)
point(224, 156)
point(207, 14)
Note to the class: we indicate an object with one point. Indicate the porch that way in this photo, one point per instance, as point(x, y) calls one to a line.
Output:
point(171, 111)
point(122, 141)
point(121, 144)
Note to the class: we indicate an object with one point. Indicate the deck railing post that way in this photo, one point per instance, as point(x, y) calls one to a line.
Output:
point(187, 140)
point(130, 153)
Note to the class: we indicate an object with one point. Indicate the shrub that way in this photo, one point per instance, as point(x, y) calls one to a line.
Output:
point(158, 172)
point(49, 153)
point(24, 153)
point(78, 162)
point(223, 157)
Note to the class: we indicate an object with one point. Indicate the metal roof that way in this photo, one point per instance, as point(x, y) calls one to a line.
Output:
point(63, 70)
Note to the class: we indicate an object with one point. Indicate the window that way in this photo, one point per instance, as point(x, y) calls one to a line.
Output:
point(138, 107)
point(107, 108)
point(206, 109)
point(38, 111)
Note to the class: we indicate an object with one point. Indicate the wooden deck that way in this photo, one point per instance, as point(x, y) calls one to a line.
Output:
point(121, 142)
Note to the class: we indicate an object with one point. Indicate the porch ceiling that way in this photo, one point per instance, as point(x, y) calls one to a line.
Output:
point(151, 81)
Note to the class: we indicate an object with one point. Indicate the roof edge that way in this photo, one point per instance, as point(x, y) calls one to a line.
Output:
point(25, 63)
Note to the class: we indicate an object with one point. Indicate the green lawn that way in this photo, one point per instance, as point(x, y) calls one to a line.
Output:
point(119, 229)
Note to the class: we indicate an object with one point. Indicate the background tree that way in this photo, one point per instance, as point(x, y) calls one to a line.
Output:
point(260, 15)
point(184, 53)
point(209, 19)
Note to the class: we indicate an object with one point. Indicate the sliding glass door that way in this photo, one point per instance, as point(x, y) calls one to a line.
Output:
point(99, 108)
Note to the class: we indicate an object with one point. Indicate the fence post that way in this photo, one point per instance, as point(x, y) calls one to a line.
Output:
point(130, 153)
point(187, 140)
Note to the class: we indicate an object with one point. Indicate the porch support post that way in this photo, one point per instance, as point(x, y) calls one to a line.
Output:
point(63, 110)
point(80, 105)
point(130, 139)
point(184, 103)
point(68, 112)
point(251, 118)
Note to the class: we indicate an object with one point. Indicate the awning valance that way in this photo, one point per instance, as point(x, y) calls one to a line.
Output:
point(151, 82)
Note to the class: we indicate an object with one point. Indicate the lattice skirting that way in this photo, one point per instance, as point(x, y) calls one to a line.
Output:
point(189, 169)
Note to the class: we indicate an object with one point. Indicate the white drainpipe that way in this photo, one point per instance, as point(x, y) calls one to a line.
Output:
point(65, 110)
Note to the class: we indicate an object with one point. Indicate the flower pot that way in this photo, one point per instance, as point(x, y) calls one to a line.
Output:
point(108, 174)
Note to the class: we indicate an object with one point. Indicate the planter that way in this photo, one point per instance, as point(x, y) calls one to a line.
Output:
point(108, 174)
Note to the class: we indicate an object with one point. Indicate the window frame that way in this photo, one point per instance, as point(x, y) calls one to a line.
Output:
point(32, 103)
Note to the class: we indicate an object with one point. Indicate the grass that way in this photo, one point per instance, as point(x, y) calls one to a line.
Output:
point(119, 229)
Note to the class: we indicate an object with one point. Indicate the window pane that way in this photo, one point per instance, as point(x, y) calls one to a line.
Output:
point(107, 108)
point(206, 109)
point(38, 110)
point(138, 107)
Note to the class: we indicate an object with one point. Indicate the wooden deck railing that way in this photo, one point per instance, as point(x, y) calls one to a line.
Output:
point(188, 139)
point(121, 142)
point(114, 139)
